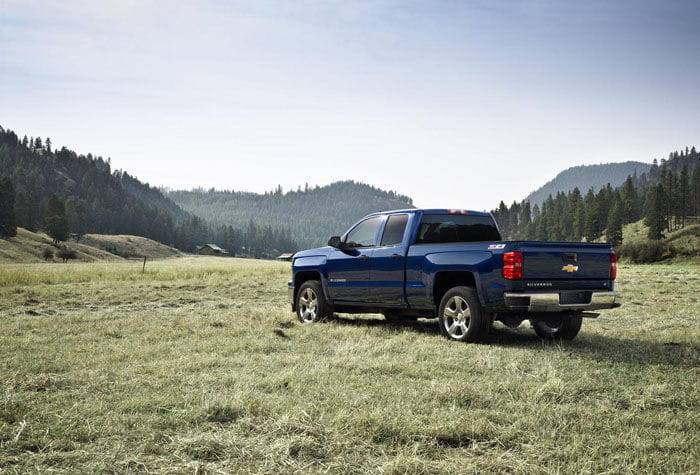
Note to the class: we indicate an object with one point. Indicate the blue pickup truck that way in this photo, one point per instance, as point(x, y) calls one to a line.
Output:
point(453, 265)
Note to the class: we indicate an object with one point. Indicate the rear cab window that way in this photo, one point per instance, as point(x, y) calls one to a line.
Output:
point(442, 228)
point(394, 230)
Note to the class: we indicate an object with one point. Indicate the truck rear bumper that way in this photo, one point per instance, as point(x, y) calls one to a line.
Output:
point(560, 301)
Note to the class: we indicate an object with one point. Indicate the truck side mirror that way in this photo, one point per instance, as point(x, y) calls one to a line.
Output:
point(335, 242)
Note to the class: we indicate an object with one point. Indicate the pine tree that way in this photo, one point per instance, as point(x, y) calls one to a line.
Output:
point(591, 227)
point(76, 213)
point(655, 212)
point(55, 220)
point(25, 210)
point(695, 191)
point(8, 223)
point(683, 195)
point(525, 221)
point(613, 231)
point(630, 207)
point(513, 214)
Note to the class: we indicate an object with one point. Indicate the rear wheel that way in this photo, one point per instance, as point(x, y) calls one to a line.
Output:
point(461, 316)
point(557, 327)
point(311, 304)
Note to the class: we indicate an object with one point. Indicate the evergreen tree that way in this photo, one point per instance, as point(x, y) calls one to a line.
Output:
point(8, 224)
point(683, 196)
point(695, 191)
point(76, 213)
point(655, 212)
point(25, 210)
point(513, 216)
point(525, 221)
point(55, 220)
point(578, 215)
point(613, 231)
point(592, 226)
point(630, 200)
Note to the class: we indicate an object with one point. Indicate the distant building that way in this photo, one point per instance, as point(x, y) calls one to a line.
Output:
point(286, 256)
point(211, 250)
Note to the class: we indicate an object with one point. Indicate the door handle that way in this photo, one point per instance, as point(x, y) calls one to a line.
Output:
point(396, 256)
point(363, 257)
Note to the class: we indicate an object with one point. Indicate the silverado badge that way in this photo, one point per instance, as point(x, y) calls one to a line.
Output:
point(569, 268)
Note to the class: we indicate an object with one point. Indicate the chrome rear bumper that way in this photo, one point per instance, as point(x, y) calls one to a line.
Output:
point(551, 301)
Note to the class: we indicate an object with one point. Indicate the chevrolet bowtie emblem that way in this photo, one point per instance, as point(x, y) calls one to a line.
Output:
point(569, 268)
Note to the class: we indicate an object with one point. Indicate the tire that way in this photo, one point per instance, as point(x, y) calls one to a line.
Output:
point(311, 304)
point(557, 327)
point(461, 316)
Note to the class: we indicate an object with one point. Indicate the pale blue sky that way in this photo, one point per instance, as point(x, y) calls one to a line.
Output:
point(457, 104)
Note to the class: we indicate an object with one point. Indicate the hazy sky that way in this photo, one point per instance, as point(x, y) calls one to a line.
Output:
point(455, 103)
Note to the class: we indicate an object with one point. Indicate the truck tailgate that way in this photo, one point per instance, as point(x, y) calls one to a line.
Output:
point(565, 261)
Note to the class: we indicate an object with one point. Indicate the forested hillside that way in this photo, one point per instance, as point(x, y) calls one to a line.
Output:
point(64, 193)
point(667, 197)
point(312, 214)
point(585, 177)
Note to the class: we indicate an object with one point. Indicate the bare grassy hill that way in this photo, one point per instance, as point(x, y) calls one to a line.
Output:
point(130, 246)
point(28, 247)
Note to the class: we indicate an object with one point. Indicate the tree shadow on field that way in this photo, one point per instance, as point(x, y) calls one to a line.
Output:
point(592, 346)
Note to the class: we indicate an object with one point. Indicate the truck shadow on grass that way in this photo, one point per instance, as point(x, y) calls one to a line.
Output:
point(604, 348)
point(593, 346)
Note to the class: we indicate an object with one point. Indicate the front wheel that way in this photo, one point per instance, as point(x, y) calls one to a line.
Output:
point(559, 327)
point(311, 305)
point(461, 316)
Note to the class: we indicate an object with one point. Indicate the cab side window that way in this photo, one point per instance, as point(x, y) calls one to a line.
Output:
point(394, 229)
point(365, 233)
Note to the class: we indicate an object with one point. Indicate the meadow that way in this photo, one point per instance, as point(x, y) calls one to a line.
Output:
point(197, 365)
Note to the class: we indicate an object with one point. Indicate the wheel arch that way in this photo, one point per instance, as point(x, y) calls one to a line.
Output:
point(445, 280)
point(304, 276)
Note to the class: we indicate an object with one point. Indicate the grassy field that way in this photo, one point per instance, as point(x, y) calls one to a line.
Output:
point(199, 366)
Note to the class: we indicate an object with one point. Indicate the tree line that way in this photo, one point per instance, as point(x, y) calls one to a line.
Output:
point(311, 213)
point(62, 193)
point(667, 197)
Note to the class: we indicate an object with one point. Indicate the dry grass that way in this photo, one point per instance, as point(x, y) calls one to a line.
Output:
point(198, 365)
point(28, 247)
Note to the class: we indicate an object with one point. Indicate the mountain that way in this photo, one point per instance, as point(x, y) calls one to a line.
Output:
point(97, 200)
point(587, 176)
point(101, 201)
point(667, 197)
point(311, 215)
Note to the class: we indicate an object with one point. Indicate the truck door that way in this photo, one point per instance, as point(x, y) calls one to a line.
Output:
point(348, 269)
point(387, 263)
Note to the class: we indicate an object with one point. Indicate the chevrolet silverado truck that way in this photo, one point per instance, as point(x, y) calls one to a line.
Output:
point(453, 265)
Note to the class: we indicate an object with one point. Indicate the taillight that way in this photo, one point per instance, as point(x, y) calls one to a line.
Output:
point(513, 265)
point(613, 266)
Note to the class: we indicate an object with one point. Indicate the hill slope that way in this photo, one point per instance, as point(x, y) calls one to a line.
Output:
point(311, 215)
point(29, 247)
point(587, 176)
point(100, 201)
